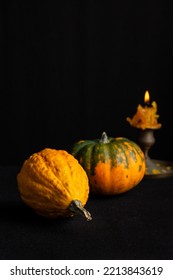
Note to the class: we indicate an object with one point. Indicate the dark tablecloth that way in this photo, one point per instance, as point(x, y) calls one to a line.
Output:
point(135, 225)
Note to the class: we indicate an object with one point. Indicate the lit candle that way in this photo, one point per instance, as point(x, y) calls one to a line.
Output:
point(146, 117)
point(147, 98)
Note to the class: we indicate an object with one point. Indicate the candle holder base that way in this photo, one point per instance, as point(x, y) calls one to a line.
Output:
point(154, 168)
point(158, 169)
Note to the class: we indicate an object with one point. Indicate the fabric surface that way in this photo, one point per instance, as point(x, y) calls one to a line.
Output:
point(135, 225)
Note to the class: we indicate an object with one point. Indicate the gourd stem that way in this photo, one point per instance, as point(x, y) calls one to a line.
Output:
point(77, 208)
point(104, 138)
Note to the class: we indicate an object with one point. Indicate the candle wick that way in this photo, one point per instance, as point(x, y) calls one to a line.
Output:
point(148, 104)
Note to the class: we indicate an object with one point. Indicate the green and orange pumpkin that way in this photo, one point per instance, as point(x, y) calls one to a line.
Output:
point(113, 165)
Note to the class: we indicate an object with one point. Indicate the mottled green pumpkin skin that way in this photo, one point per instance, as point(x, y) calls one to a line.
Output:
point(113, 165)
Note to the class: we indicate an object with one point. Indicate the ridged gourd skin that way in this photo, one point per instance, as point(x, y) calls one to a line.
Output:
point(113, 165)
point(50, 181)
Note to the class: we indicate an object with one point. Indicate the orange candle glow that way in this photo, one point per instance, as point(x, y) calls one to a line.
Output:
point(146, 117)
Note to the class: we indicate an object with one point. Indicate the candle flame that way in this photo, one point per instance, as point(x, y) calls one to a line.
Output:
point(147, 97)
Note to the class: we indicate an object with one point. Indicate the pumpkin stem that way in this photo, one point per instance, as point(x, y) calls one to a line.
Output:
point(77, 208)
point(104, 138)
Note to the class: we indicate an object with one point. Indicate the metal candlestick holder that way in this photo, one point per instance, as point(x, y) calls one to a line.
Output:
point(154, 168)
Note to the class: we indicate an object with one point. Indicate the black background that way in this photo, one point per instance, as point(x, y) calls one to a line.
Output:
point(72, 69)
point(69, 71)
